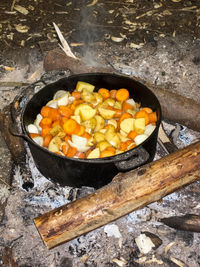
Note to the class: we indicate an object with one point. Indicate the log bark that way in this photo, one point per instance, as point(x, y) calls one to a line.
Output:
point(126, 193)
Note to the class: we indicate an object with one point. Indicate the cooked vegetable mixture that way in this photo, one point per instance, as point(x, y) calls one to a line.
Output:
point(87, 124)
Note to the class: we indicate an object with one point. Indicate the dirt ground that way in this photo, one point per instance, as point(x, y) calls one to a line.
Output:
point(156, 41)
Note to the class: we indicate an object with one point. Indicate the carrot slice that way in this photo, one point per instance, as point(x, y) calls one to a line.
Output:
point(55, 123)
point(125, 115)
point(142, 114)
point(76, 94)
point(71, 152)
point(122, 94)
point(45, 131)
point(124, 145)
point(67, 137)
point(148, 110)
point(105, 93)
point(87, 136)
point(153, 117)
point(81, 130)
point(106, 153)
point(65, 148)
point(45, 122)
point(113, 93)
point(47, 140)
point(80, 155)
point(65, 111)
point(32, 135)
point(71, 126)
point(45, 111)
point(132, 135)
point(126, 106)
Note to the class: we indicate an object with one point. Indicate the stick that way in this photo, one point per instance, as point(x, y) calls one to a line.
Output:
point(126, 193)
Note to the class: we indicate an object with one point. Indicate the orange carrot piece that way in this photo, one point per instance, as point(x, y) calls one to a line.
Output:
point(148, 110)
point(65, 148)
point(81, 130)
point(71, 152)
point(86, 135)
point(125, 115)
point(76, 94)
point(124, 145)
point(32, 135)
point(122, 94)
point(153, 117)
point(45, 122)
point(55, 123)
point(45, 111)
point(113, 93)
point(47, 140)
point(45, 131)
point(111, 148)
point(132, 146)
point(70, 126)
point(54, 114)
point(80, 155)
point(106, 153)
point(105, 93)
point(132, 135)
point(67, 137)
point(142, 114)
point(126, 106)
point(65, 111)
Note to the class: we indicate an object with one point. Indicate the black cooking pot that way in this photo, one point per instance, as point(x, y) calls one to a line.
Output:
point(90, 172)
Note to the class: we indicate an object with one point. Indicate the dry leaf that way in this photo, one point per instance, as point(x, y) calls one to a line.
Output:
point(154, 260)
point(177, 262)
point(21, 9)
point(176, 1)
point(21, 28)
point(167, 248)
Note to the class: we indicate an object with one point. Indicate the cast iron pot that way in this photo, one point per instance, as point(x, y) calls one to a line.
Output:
point(90, 172)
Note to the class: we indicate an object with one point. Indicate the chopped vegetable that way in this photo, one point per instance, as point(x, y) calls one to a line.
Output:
point(85, 124)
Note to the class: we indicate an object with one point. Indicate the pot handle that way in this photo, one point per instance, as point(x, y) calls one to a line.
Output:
point(13, 132)
point(138, 157)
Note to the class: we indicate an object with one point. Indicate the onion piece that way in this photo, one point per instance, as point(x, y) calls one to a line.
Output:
point(131, 102)
point(59, 94)
point(52, 104)
point(140, 138)
point(80, 143)
point(38, 140)
point(64, 100)
point(149, 129)
point(32, 129)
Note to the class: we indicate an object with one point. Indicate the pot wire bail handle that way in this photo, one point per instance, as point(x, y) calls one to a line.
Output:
point(138, 157)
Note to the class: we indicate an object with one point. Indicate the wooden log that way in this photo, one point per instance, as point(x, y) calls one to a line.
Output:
point(188, 222)
point(126, 193)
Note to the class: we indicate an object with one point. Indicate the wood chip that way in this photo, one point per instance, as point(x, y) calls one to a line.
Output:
point(176, 1)
point(154, 260)
point(93, 3)
point(132, 45)
point(120, 262)
point(117, 39)
point(9, 68)
point(21, 28)
point(167, 248)
point(21, 9)
point(177, 262)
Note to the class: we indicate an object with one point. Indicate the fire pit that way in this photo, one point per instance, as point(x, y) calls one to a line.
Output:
point(108, 245)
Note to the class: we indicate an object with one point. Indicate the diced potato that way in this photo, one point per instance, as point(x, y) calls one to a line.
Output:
point(103, 145)
point(149, 129)
point(100, 123)
point(85, 111)
point(83, 85)
point(98, 137)
point(88, 97)
point(127, 125)
point(32, 129)
point(109, 102)
point(98, 97)
point(115, 141)
point(55, 144)
point(112, 122)
point(94, 154)
point(139, 125)
point(118, 105)
point(112, 137)
point(140, 138)
point(106, 113)
point(123, 138)
point(55, 130)
point(90, 124)
point(131, 111)
point(102, 131)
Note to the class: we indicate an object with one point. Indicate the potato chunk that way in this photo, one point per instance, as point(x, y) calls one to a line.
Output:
point(127, 125)
point(139, 125)
point(83, 85)
point(85, 111)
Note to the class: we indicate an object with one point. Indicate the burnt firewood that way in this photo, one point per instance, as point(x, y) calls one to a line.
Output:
point(188, 222)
